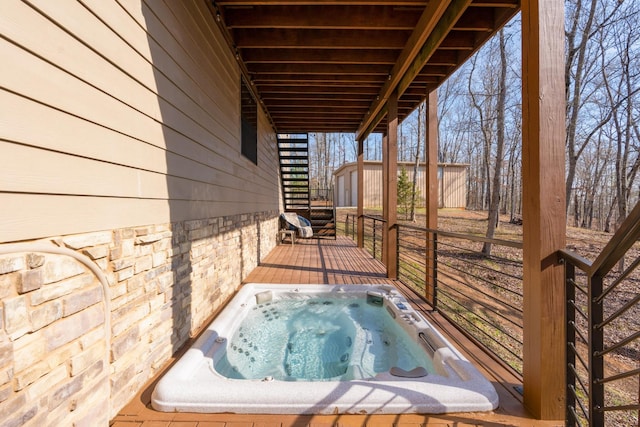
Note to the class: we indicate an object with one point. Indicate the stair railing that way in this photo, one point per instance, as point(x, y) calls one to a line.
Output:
point(603, 331)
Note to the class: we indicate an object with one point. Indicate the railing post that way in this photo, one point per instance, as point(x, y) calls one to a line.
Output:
point(346, 226)
point(596, 360)
point(397, 228)
point(374, 239)
point(353, 228)
point(435, 271)
point(570, 274)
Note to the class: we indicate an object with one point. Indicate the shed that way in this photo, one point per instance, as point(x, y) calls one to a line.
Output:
point(452, 184)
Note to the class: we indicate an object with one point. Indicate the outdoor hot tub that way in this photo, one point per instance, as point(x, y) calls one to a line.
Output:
point(322, 349)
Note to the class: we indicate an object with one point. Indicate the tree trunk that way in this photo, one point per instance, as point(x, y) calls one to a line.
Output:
point(500, 136)
point(416, 165)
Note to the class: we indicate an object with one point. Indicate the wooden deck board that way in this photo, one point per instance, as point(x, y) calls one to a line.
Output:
point(321, 261)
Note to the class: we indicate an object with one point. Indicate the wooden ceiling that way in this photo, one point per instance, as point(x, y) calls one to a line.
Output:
point(330, 65)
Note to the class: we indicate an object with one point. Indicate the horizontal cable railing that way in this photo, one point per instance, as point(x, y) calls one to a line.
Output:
point(373, 230)
point(603, 331)
point(481, 294)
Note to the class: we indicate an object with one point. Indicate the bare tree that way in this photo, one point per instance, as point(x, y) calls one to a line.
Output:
point(580, 68)
point(494, 206)
point(416, 161)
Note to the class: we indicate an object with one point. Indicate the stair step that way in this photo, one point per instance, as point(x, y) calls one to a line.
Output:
point(305, 158)
point(293, 141)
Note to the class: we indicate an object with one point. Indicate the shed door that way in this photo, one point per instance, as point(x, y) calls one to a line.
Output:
point(341, 190)
point(354, 189)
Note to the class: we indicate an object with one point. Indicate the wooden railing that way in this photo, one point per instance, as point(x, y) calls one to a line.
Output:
point(603, 331)
point(482, 296)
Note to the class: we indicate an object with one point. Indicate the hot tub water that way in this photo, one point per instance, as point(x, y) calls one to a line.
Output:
point(319, 339)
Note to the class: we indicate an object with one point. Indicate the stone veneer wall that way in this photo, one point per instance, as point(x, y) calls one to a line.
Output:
point(164, 281)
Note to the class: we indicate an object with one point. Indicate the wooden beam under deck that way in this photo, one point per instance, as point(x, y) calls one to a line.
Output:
point(340, 261)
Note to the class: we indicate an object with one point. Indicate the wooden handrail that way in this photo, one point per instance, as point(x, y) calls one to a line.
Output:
point(575, 259)
point(620, 243)
point(626, 236)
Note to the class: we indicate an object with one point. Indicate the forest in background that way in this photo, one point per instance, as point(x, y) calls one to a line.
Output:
point(480, 116)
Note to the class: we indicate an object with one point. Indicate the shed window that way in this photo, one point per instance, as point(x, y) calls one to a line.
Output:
point(249, 118)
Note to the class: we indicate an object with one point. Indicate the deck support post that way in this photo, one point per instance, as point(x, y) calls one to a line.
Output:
point(360, 211)
point(390, 188)
point(431, 186)
point(544, 220)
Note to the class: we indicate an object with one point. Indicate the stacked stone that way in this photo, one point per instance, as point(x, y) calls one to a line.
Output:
point(165, 281)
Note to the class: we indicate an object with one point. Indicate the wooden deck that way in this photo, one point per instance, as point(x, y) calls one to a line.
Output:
point(341, 262)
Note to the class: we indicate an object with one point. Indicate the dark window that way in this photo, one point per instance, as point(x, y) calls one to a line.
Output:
point(249, 118)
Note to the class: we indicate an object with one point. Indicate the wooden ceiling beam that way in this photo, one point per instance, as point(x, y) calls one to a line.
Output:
point(477, 19)
point(265, 90)
point(301, 103)
point(342, 97)
point(508, 4)
point(428, 21)
point(322, 17)
point(247, 3)
point(459, 40)
point(447, 21)
point(330, 39)
point(444, 57)
point(317, 115)
point(313, 56)
point(319, 69)
point(313, 122)
point(303, 57)
point(314, 117)
point(317, 108)
point(316, 79)
point(346, 86)
point(432, 70)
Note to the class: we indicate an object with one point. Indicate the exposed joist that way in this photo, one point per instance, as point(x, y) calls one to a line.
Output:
point(308, 38)
point(476, 20)
point(459, 40)
point(341, 90)
point(321, 103)
point(426, 24)
point(332, 69)
point(312, 56)
point(397, 3)
point(289, 96)
point(323, 17)
point(315, 79)
point(346, 56)
point(508, 4)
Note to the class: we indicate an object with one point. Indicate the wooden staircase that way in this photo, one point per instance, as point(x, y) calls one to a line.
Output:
point(323, 221)
point(293, 152)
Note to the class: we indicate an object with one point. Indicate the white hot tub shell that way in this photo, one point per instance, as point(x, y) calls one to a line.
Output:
point(193, 385)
